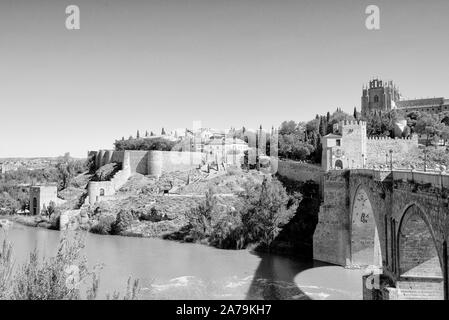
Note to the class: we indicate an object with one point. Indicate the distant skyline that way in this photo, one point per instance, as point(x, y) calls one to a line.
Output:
point(143, 65)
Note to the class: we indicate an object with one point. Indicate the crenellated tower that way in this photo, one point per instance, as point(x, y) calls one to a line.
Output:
point(346, 147)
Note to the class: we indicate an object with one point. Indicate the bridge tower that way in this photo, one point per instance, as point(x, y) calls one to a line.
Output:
point(345, 148)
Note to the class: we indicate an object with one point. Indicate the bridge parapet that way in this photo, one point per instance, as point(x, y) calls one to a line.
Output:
point(377, 175)
point(435, 179)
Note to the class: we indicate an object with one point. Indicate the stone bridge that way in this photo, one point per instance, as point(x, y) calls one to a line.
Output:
point(396, 222)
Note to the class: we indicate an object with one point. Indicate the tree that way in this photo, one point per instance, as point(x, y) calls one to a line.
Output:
point(323, 126)
point(427, 124)
point(146, 133)
point(158, 143)
point(163, 131)
point(355, 113)
point(445, 134)
point(123, 222)
point(288, 127)
point(407, 132)
point(266, 209)
point(137, 134)
point(8, 204)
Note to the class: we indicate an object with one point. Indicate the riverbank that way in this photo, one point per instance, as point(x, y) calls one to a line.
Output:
point(139, 210)
point(30, 221)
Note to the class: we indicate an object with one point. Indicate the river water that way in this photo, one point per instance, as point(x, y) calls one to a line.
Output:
point(172, 270)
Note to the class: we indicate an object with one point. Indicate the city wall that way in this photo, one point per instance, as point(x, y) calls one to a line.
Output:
point(153, 163)
point(378, 148)
point(150, 162)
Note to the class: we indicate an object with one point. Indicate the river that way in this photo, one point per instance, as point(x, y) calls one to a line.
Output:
point(172, 270)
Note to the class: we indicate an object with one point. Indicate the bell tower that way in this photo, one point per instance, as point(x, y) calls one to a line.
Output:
point(379, 96)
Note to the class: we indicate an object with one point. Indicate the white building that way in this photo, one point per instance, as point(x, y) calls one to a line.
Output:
point(228, 150)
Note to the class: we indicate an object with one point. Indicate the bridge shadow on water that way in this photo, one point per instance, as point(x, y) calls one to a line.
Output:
point(274, 278)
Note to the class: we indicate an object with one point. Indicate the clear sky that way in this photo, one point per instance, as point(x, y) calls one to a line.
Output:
point(147, 64)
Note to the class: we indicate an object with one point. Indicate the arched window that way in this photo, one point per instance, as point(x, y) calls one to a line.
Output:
point(376, 98)
point(101, 192)
point(338, 164)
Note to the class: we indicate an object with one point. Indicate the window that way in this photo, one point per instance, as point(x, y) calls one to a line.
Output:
point(34, 206)
point(338, 164)
point(376, 98)
point(101, 192)
point(338, 142)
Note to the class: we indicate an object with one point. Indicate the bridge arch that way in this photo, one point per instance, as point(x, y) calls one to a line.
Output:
point(365, 246)
point(418, 249)
point(420, 257)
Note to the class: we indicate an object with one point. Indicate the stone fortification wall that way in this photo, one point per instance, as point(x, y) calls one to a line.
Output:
point(170, 161)
point(378, 148)
point(138, 161)
point(150, 162)
point(144, 162)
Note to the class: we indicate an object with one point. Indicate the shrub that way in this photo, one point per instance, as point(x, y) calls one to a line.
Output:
point(201, 218)
point(8, 205)
point(262, 211)
point(153, 216)
point(55, 278)
point(233, 170)
point(131, 293)
point(145, 144)
point(81, 200)
point(55, 217)
point(6, 267)
point(104, 225)
point(265, 210)
point(106, 172)
point(123, 222)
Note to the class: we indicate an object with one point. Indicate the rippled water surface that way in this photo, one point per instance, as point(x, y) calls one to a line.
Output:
point(172, 270)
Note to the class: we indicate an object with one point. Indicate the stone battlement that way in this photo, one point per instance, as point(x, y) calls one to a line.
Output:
point(412, 138)
point(352, 123)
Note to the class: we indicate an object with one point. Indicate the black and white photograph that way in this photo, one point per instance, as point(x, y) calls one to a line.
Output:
point(230, 152)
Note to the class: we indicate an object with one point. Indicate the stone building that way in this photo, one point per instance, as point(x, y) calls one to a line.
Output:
point(379, 96)
point(225, 150)
point(348, 147)
point(385, 96)
point(41, 196)
point(345, 147)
